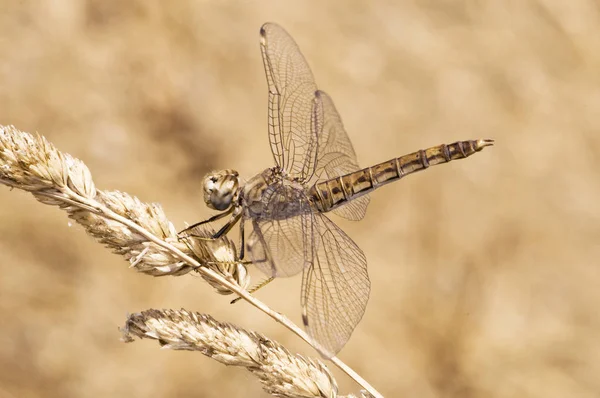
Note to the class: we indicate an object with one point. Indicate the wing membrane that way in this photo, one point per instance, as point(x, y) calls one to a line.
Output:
point(335, 289)
point(292, 87)
point(307, 136)
point(281, 241)
point(309, 143)
point(336, 156)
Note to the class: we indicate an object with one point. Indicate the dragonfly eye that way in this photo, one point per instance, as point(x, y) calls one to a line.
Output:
point(220, 189)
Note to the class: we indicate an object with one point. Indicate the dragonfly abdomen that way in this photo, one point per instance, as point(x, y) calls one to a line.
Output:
point(330, 194)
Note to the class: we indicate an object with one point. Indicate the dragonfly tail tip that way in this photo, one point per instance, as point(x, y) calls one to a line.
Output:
point(483, 143)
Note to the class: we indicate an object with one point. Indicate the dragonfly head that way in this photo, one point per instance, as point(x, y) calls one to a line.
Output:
point(221, 188)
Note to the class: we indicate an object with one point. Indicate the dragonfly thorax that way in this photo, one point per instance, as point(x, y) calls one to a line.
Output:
point(221, 188)
point(269, 195)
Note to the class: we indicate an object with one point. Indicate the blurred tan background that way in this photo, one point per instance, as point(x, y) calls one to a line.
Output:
point(485, 278)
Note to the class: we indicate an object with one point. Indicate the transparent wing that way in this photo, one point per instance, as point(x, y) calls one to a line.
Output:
point(355, 209)
point(335, 289)
point(336, 156)
point(281, 241)
point(292, 119)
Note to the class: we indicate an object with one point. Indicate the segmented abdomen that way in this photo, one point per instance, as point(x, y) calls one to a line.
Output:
point(328, 195)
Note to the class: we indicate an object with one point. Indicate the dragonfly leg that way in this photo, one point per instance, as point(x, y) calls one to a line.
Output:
point(261, 238)
point(255, 288)
point(242, 241)
point(209, 220)
point(235, 217)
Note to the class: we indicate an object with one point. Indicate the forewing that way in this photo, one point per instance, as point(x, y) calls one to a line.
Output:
point(292, 118)
point(336, 156)
point(281, 241)
point(335, 289)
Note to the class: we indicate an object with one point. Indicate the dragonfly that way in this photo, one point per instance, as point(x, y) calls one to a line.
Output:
point(316, 172)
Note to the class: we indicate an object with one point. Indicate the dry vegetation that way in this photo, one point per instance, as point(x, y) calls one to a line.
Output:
point(484, 272)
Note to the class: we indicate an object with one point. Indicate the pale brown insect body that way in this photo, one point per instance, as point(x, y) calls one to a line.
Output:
point(316, 172)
